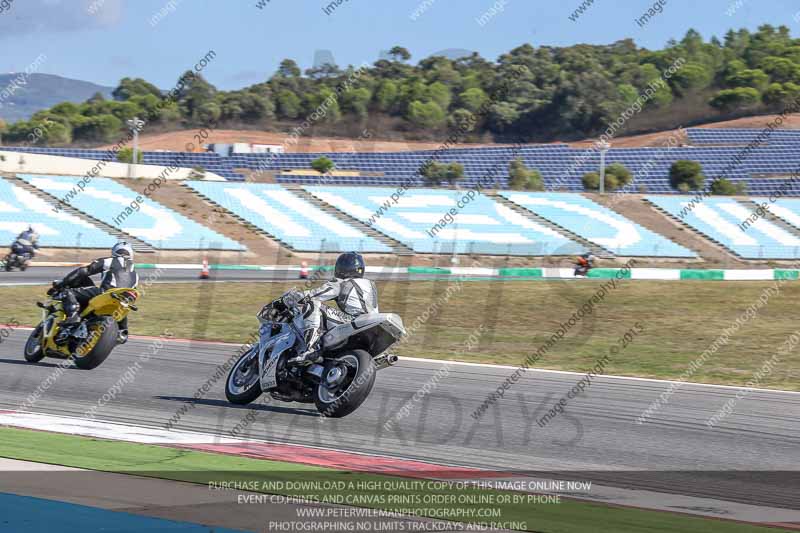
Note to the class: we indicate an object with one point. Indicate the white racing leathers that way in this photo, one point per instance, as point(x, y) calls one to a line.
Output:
point(354, 296)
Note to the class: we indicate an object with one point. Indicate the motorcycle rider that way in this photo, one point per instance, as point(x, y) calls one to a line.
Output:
point(77, 287)
point(26, 243)
point(584, 263)
point(353, 294)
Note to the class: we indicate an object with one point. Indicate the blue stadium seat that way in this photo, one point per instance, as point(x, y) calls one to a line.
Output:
point(289, 218)
point(20, 208)
point(483, 226)
point(107, 200)
point(598, 224)
point(722, 220)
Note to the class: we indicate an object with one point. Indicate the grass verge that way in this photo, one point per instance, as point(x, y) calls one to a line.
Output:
point(204, 468)
point(511, 319)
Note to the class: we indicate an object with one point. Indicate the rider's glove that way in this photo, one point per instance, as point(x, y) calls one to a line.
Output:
point(55, 288)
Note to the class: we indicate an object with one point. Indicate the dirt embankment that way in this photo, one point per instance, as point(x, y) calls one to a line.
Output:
point(177, 140)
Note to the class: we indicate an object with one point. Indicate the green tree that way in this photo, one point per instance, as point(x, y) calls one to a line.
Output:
point(439, 92)
point(731, 99)
point(289, 105)
point(130, 87)
point(781, 69)
point(99, 128)
point(425, 115)
point(692, 76)
point(386, 95)
point(686, 175)
point(398, 53)
point(781, 95)
point(462, 120)
point(194, 94)
point(755, 78)
point(473, 99)
point(323, 165)
point(356, 102)
point(289, 69)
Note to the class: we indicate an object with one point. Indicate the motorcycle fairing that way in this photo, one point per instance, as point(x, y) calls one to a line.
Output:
point(269, 351)
point(380, 329)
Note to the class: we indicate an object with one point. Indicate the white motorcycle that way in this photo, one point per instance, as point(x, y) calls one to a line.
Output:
point(351, 353)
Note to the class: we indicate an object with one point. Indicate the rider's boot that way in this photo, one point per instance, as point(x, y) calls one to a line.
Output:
point(122, 336)
point(72, 309)
point(313, 354)
point(72, 319)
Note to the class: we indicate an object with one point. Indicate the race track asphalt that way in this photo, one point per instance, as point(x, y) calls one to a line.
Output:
point(749, 457)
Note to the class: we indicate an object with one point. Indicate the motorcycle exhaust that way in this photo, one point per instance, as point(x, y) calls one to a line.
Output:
point(385, 361)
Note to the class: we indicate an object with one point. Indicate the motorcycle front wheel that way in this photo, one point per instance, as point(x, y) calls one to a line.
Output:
point(345, 384)
point(243, 384)
point(33, 347)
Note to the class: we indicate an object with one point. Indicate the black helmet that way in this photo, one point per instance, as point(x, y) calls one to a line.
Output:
point(349, 265)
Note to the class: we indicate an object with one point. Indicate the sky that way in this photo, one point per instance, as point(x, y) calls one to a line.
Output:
point(103, 41)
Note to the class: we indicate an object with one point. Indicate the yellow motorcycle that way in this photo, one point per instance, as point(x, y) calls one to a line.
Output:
point(88, 342)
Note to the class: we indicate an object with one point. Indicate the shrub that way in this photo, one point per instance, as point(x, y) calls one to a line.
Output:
point(617, 176)
point(519, 177)
point(686, 175)
point(323, 165)
point(726, 187)
point(621, 173)
point(125, 155)
point(434, 172)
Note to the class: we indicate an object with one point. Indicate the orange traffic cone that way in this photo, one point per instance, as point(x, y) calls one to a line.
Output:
point(303, 270)
point(204, 273)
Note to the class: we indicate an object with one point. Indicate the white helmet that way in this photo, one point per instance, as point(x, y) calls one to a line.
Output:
point(122, 249)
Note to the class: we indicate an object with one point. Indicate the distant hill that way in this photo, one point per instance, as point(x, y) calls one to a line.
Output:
point(41, 92)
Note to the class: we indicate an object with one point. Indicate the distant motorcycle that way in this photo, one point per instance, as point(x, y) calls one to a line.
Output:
point(351, 352)
point(14, 260)
point(581, 270)
point(583, 264)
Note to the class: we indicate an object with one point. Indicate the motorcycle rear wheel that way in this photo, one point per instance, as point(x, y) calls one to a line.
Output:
point(345, 385)
point(98, 353)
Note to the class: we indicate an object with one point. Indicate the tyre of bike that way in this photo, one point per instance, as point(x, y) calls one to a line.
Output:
point(102, 340)
point(33, 346)
point(244, 383)
point(346, 382)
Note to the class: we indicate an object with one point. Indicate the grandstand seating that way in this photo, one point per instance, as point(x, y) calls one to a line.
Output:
point(561, 166)
point(597, 224)
point(289, 218)
point(153, 223)
point(483, 226)
point(720, 219)
point(20, 208)
point(741, 136)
